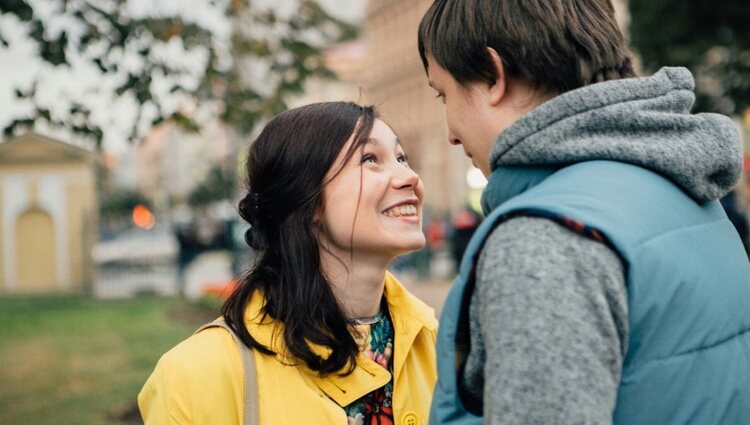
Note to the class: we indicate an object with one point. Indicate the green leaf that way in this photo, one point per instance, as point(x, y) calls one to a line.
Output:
point(20, 8)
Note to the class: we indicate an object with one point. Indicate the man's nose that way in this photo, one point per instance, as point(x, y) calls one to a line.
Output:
point(452, 139)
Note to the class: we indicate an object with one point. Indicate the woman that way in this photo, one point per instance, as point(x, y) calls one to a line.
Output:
point(336, 339)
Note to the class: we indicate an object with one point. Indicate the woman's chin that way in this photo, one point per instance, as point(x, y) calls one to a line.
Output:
point(408, 247)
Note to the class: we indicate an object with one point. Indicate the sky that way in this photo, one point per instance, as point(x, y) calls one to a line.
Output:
point(59, 85)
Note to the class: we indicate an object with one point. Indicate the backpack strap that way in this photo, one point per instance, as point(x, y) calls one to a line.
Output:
point(251, 408)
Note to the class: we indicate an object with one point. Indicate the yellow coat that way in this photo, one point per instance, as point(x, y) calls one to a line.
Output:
point(200, 381)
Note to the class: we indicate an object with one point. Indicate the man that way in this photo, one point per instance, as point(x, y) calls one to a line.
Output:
point(606, 284)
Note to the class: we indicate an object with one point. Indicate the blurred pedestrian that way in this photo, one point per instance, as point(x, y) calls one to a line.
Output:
point(188, 248)
point(606, 285)
point(335, 338)
point(738, 219)
point(465, 222)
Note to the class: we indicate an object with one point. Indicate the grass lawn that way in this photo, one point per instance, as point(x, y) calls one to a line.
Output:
point(78, 361)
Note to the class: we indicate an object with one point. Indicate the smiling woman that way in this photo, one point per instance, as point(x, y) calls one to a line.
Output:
point(383, 219)
point(331, 201)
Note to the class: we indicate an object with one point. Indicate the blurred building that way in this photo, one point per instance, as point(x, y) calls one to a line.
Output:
point(394, 79)
point(48, 215)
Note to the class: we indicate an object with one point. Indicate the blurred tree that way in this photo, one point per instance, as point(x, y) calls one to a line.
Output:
point(121, 41)
point(709, 37)
point(120, 204)
point(218, 185)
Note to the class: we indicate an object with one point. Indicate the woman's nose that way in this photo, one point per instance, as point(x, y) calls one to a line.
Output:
point(406, 177)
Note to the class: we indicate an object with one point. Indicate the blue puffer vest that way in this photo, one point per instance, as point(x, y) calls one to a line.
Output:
point(688, 283)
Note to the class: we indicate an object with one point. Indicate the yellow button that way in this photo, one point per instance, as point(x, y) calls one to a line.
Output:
point(409, 418)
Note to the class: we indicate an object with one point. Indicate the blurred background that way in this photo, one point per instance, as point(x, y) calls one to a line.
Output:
point(125, 123)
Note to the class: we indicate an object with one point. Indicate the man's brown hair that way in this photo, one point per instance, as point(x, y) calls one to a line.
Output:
point(555, 45)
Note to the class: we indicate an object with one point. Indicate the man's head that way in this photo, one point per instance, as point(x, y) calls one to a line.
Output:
point(495, 60)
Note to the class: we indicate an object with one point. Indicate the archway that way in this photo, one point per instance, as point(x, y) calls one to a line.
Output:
point(35, 252)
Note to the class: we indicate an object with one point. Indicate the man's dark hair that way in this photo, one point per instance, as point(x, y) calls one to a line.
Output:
point(555, 45)
point(287, 168)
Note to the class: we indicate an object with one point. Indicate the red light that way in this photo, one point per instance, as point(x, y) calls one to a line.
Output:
point(143, 218)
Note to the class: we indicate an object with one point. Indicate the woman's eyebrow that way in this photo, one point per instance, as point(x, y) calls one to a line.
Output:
point(376, 141)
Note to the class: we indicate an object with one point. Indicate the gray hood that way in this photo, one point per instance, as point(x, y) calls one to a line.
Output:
point(642, 121)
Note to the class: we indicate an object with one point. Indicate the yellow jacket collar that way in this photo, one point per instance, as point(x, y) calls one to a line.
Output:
point(403, 304)
point(408, 314)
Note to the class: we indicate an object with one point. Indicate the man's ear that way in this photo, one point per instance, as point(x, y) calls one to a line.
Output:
point(497, 90)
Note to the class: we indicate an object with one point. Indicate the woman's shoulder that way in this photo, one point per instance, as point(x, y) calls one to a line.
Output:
point(211, 348)
point(206, 366)
point(207, 356)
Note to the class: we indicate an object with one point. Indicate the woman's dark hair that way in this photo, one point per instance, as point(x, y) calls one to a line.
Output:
point(555, 45)
point(286, 170)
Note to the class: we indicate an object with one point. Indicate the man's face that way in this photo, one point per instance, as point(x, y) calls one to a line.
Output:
point(466, 112)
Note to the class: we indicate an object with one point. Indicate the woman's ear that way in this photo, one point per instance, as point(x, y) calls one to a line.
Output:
point(318, 224)
point(499, 88)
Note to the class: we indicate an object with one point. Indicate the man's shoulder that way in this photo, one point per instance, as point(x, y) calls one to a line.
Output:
point(540, 243)
point(529, 232)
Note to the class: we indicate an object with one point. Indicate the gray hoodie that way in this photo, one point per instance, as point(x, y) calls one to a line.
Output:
point(549, 315)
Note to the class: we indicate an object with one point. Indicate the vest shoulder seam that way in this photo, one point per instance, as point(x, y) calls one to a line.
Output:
point(696, 350)
point(669, 232)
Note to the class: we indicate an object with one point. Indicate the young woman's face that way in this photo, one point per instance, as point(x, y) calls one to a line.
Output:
point(374, 204)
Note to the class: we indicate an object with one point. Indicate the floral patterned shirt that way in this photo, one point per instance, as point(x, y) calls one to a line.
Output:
point(375, 340)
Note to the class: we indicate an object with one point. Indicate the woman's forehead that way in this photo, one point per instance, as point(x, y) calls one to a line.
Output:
point(382, 135)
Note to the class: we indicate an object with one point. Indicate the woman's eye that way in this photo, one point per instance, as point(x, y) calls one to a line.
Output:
point(402, 158)
point(368, 158)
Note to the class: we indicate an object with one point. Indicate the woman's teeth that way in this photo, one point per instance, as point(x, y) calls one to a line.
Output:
point(404, 210)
